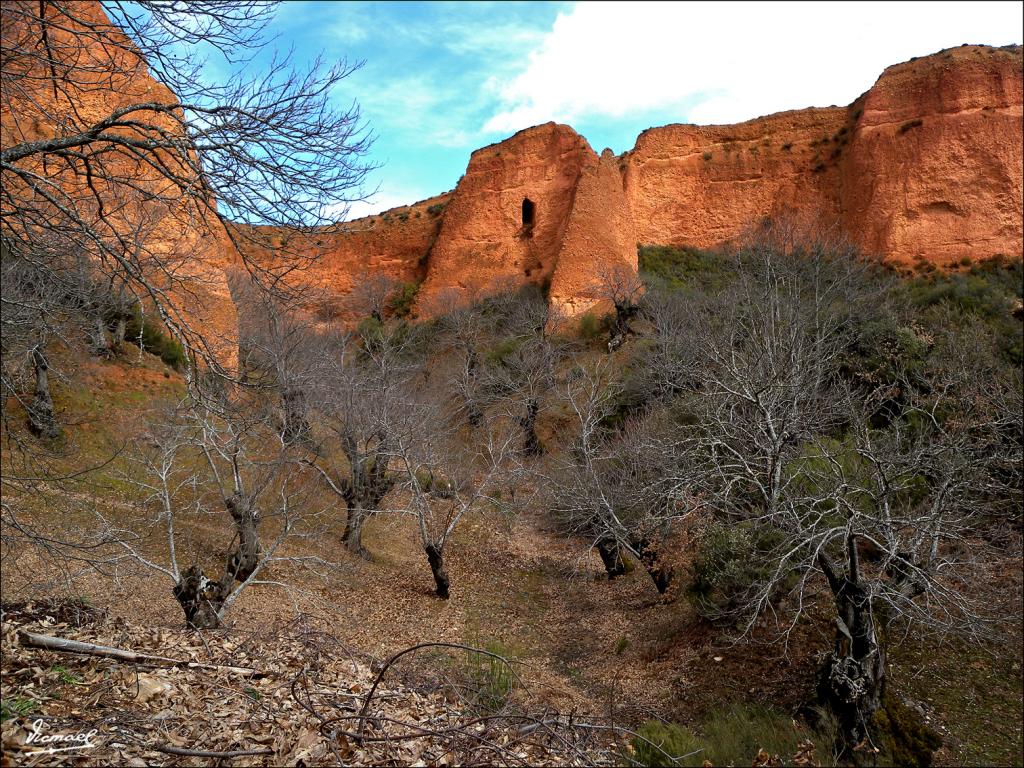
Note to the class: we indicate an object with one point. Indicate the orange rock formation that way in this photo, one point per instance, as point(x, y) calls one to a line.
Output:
point(540, 207)
point(178, 236)
point(934, 166)
point(926, 165)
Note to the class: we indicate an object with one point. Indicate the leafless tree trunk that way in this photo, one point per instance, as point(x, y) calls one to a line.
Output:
point(622, 287)
point(41, 419)
point(435, 556)
point(611, 556)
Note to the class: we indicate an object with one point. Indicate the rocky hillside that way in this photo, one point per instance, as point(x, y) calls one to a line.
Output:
point(924, 167)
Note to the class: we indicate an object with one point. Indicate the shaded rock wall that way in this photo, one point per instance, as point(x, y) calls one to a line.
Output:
point(185, 249)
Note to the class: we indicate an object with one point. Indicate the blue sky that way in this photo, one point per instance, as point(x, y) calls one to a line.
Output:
point(442, 79)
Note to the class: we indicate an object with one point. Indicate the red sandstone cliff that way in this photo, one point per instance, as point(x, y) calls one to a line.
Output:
point(507, 216)
point(926, 165)
point(934, 166)
point(178, 244)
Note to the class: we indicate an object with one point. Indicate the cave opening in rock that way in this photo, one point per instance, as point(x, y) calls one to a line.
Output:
point(529, 214)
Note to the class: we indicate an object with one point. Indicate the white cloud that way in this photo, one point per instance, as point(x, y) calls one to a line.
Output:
point(727, 62)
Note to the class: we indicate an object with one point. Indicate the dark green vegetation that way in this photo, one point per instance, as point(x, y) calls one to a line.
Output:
point(685, 269)
point(989, 292)
point(151, 336)
point(730, 736)
point(403, 299)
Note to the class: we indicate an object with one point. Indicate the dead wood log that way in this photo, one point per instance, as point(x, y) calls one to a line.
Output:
point(63, 645)
point(172, 750)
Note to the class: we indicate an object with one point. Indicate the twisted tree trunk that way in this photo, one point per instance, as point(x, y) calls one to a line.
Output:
point(852, 679)
point(41, 419)
point(296, 425)
point(363, 494)
point(435, 556)
point(200, 598)
point(531, 443)
point(473, 412)
point(352, 536)
point(245, 557)
point(611, 557)
point(118, 332)
point(659, 572)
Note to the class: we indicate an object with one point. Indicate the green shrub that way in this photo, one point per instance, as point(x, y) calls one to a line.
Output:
point(666, 744)
point(989, 290)
point(683, 266)
point(591, 326)
point(401, 302)
point(16, 707)
point(436, 209)
point(492, 679)
point(151, 336)
point(728, 736)
point(370, 330)
point(502, 349)
point(730, 562)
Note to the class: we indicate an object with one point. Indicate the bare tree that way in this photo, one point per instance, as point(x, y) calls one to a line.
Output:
point(280, 355)
point(117, 160)
point(361, 403)
point(444, 475)
point(243, 481)
point(120, 163)
point(615, 488)
point(371, 295)
point(622, 288)
point(521, 369)
point(783, 446)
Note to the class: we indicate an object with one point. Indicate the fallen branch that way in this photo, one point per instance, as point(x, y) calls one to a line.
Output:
point(170, 750)
point(400, 654)
point(63, 645)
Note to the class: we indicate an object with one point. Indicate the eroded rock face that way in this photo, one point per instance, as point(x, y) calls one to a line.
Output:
point(934, 168)
point(600, 239)
point(925, 166)
point(703, 185)
point(541, 208)
point(179, 245)
point(395, 245)
point(506, 219)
